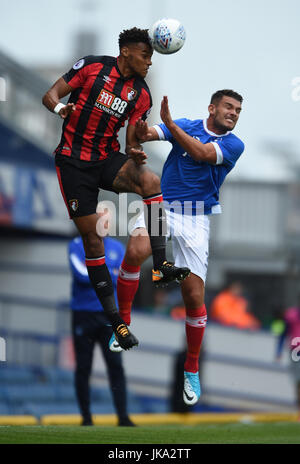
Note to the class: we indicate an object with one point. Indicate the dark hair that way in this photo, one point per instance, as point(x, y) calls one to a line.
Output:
point(216, 97)
point(134, 35)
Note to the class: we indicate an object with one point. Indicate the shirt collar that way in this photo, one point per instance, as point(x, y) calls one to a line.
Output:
point(212, 133)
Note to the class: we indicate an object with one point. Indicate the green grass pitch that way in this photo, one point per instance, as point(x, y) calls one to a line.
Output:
point(259, 433)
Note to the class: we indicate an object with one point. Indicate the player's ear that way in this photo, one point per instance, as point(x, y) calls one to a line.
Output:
point(124, 51)
point(211, 109)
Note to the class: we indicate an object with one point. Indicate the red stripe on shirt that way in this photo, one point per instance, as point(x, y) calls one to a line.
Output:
point(71, 127)
point(113, 126)
point(96, 115)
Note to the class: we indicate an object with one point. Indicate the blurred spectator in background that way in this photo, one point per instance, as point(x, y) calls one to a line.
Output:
point(160, 303)
point(230, 308)
point(291, 333)
point(6, 206)
point(90, 326)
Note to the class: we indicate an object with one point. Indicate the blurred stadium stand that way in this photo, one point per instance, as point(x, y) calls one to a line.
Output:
point(22, 110)
point(255, 240)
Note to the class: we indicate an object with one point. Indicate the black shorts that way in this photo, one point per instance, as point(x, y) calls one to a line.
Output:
point(80, 181)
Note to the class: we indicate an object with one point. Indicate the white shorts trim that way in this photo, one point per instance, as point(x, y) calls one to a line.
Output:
point(190, 240)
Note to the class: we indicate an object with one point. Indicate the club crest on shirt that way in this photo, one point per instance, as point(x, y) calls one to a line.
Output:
point(73, 204)
point(131, 93)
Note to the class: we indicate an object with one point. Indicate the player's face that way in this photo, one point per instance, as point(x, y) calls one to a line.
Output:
point(138, 58)
point(225, 113)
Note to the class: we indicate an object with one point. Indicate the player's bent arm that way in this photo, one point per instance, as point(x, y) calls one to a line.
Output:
point(132, 140)
point(59, 90)
point(133, 148)
point(197, 150)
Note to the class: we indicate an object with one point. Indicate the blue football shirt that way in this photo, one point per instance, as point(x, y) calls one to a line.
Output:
point(188, 181)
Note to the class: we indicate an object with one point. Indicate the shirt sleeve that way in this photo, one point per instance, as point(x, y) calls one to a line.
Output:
point(142, 108)
point(165, 134)
point(77, 75)
point(228, 150)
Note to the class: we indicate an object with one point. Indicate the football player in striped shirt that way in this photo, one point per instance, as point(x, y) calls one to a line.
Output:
point(105, 92)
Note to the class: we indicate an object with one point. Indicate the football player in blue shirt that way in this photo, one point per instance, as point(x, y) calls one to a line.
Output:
point(203, 152)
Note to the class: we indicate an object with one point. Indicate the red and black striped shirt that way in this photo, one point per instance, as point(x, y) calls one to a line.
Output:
point(104, 101)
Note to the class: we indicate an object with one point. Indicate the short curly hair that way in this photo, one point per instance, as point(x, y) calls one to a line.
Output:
point(217, 96)
point(134, 35)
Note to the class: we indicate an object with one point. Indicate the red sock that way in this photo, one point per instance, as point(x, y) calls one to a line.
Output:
point(127, 285)
point(194, 326)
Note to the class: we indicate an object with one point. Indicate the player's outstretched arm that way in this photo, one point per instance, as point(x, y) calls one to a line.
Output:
point(197, 150)
point(52, 97)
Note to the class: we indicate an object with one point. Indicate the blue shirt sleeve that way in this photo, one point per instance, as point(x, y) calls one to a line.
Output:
point(183, 123)
point(232, 148)
point(77, 261)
